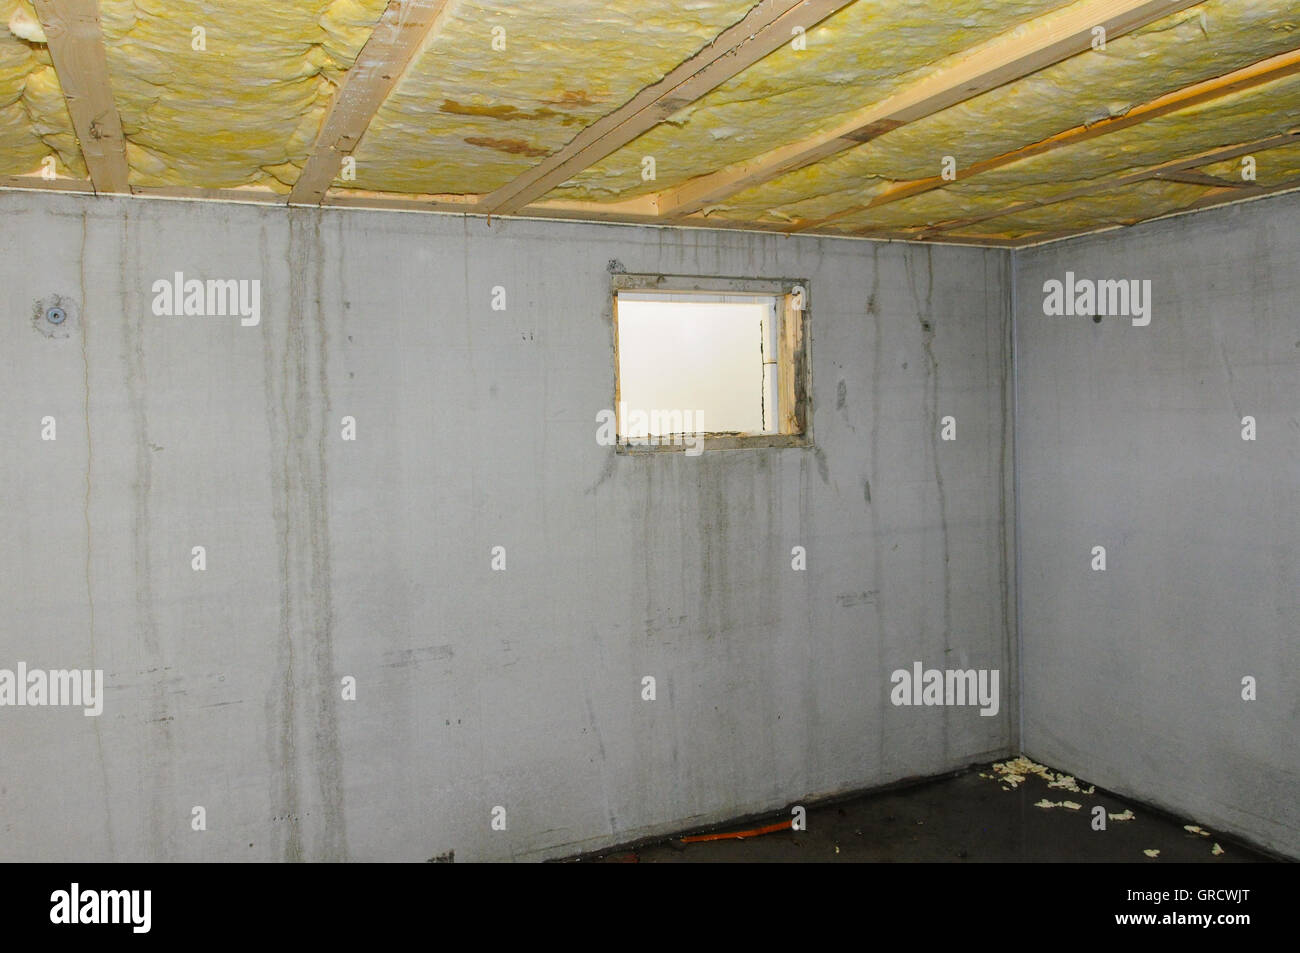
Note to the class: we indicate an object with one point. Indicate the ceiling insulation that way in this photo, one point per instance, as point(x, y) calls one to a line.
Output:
point(243, 109)
point(1105, 209)
point(1194, 45)
point(1271, 168)
point(1242, 118)
point(864, 53)
point(488, 96)
point(34, 121)
point(467, 117)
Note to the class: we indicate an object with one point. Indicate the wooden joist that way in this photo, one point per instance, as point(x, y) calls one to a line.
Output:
point(766, 28)
point(76, 45)
point(1159, 171)
point(1219, 196)
point(1191, 177)
point(242, 193)
point(61, 184)
point(397, 37)
point(1249, 77)
point(1039, 43)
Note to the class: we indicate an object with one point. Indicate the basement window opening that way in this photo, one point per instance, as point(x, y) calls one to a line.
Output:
point(709, 364)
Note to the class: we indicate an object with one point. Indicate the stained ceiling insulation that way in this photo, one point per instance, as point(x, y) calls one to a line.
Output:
point(978, 121)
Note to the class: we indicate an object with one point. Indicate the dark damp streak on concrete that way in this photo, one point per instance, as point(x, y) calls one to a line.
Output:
point(298, 423)
point(1006, 344)
point(90, 457)
point(925, 318)
point(878, 543)
point(299, 427)
point(134, 327)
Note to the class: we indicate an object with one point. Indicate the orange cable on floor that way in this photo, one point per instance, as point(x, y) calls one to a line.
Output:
point(738, 835)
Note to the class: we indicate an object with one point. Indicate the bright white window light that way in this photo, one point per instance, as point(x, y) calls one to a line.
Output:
point(708, 360)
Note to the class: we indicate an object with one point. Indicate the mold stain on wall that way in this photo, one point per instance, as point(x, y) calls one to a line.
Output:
point(302, 706)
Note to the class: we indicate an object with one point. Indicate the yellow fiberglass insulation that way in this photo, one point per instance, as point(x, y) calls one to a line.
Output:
point(1272, 167)
point(1244, 117)
point(500, 84)
point(221, 94)
point(34, 120)
point(861, 55)
point(1241, 118)
point(1199, 43)
point(1125, 206)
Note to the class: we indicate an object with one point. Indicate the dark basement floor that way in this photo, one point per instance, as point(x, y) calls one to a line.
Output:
point(967, 818)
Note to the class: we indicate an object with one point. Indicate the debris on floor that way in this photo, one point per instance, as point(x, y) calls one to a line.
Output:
point(1194, 829)
point(1067, 782)
point(961, 818)
point(1067, 804)
point(1015, 771)
point(1216, 850)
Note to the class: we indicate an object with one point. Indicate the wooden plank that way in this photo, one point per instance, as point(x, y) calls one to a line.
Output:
point(242, 193)
point(402, 201)
point(1191, 177)
point(766, 28)
point(1228, 196)
point(40, 183)
point(1249, 77)
point(791, 380)
point(1142, 175)
point(1218, 197)
point(76, 45)
point(1017, 53)
point(593, 212)
point(401, 31)
point(457, 204)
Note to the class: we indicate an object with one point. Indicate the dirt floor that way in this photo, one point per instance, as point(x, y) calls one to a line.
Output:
point(989, 813)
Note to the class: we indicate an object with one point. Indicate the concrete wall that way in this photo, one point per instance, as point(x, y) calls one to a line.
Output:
point(476, 428)
point(1130, 438)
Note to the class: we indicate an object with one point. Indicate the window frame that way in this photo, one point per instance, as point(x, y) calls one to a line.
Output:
point(794, 366)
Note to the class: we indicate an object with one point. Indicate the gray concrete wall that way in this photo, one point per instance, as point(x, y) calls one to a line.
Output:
point(370, 559)
point(1130, 438)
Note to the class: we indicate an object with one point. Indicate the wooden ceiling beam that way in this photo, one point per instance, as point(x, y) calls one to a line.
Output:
point(401, 31)
point(766, 28)
point(240, 193)
point(39, 182)
point(1219, 196)
point(1249, 77)
point(76, 42)
point(1132, 178)
point(1192, 177)
point(1015, 54)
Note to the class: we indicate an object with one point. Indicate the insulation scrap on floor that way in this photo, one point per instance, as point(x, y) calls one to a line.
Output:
point(1070, 805)
point(1013, 772)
